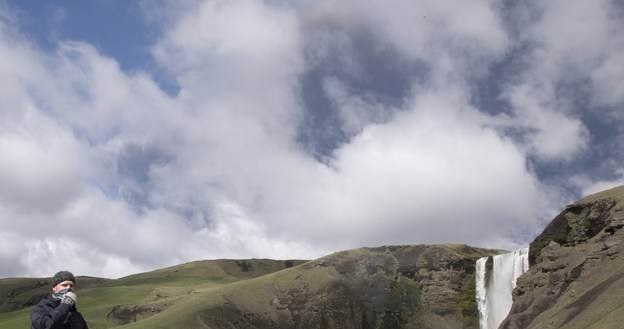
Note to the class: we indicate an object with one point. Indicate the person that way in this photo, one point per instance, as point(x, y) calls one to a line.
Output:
point(58, 309)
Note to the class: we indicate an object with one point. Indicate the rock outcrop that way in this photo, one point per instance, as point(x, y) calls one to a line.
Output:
point(576, 278)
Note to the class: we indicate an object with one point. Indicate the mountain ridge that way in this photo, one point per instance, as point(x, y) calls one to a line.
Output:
point(364, 285)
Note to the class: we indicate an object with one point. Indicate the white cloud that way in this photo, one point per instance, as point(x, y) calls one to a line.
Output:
point(433, 167)
point(41, 163)
point(536, 113)
point(146, 180)
point(456, 39)
point(586, 37)
point(212, 43)
point(608, 77)
point(572, 34)
point(574, 52)
point(12, 251)
point(354, 111)
point(80, 131)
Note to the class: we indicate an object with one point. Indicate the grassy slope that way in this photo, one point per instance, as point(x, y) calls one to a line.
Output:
point(256, 296)
point(188, 293)
point(252, 294)
point(616, 193)
point(164, 288)
point(16, 292)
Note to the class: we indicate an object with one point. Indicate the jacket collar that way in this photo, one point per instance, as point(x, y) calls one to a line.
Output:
point(49, 300)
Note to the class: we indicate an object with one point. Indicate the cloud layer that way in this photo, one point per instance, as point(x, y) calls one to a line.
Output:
point(301, 128)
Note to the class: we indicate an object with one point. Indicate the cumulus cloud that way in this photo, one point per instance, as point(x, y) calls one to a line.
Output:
point(583, 40)
point(453, 39)
point(536, 111)
point(355, 112)
point(570, 67)
point(41, 163)
point(414, 173)
point(106, 174)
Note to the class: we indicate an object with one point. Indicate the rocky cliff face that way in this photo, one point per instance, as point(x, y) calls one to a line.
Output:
point(576, 278)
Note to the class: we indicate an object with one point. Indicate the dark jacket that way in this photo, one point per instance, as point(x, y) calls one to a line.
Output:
point(50, 313)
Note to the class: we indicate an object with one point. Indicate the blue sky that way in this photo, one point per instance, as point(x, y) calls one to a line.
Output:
point(140, 134)
point(118, 29)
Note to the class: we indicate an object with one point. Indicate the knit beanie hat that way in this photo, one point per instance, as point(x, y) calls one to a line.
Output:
point(63, 276)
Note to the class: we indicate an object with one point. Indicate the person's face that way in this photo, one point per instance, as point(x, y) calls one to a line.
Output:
point(63, 285)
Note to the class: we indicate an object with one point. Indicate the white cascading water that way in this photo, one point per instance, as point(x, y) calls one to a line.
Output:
point(482, 304)
point(494, 299)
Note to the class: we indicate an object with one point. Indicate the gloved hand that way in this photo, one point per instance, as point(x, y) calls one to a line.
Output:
point(69, 298)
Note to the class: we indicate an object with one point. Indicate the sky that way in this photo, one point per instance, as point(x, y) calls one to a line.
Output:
point(141, 134)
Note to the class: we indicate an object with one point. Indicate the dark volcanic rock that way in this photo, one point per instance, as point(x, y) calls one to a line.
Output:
point(578, 223)
point(124, 314)
point(577, 274)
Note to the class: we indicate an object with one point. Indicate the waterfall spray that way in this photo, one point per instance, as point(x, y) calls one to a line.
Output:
point(493, 290)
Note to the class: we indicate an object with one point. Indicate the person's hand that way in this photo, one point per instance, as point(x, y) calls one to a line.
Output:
point(69, 298)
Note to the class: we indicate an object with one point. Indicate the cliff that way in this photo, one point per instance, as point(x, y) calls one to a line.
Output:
point(576, 278)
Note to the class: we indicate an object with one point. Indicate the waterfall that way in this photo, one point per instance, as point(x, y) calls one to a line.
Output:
point(493, 290)
point(480, 293)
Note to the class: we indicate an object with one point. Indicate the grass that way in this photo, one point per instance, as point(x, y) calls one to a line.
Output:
point(616, 193)
point(16, 319)
point(184, 296)
point(181, 288)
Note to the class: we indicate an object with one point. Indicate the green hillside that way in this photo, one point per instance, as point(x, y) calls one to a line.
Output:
point(386, 287)
point(109, 303)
